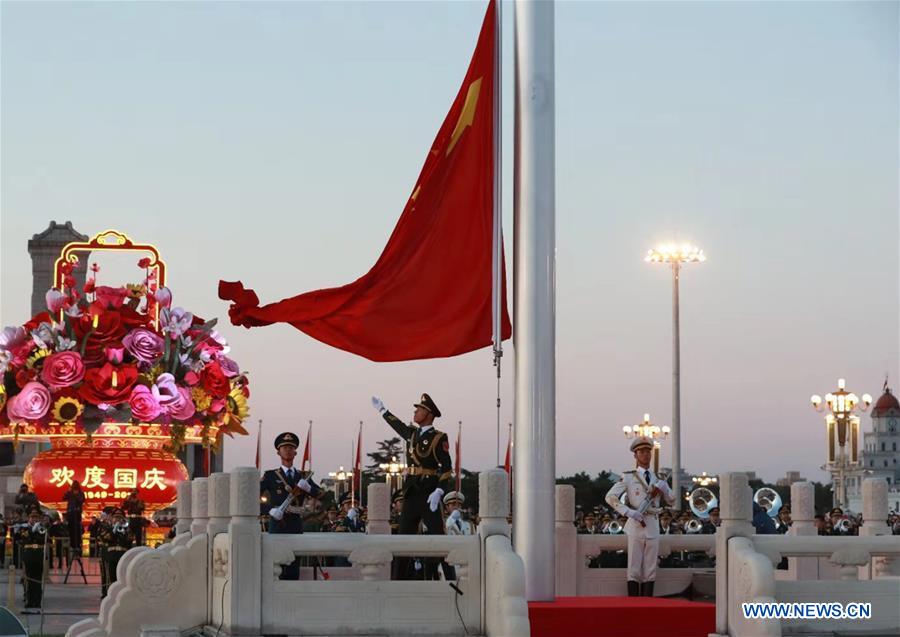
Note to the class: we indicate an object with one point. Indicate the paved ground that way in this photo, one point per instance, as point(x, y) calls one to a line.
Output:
point(64, 604)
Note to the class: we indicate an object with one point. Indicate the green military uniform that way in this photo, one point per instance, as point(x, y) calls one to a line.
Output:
point(32, 540)
point(429, 474)
point(117, 539)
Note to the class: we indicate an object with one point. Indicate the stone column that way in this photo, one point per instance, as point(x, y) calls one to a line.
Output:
point(566, 542)
point(736, 512)
point(219, 513)
point(875, 513)
point(803, 512)
point(185, 516)
point(199, 506)
point(244, 595)
point(493, 503)
point(379, 500)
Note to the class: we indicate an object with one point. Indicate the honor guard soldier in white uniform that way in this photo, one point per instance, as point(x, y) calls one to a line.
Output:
point(644, 491)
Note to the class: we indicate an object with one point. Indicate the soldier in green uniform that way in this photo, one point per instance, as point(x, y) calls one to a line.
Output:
point(33, 542)
point(396, 510)
point(429, 475)
point(103, 526)
point(118, 539)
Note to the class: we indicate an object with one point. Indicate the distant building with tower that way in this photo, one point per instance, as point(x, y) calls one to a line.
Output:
point(880, 452)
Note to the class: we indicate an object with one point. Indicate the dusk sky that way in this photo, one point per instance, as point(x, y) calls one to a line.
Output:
point(277, 143)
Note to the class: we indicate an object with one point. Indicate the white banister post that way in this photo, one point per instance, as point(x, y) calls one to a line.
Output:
point(493, 503)
point(875, 513)
point(199, 506)
point(736, 513)
point(183, 523)
point(379, 500)
point(244, 595)
point(219, 514)
point(566, 542)
point(217, 493)
point(803, 514)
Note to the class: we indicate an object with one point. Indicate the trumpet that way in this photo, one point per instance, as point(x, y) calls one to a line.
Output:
point(614, 528)
point(844, 525)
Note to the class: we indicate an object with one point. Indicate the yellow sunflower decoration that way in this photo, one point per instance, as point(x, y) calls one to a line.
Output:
point(236, 410)
point(67, 409)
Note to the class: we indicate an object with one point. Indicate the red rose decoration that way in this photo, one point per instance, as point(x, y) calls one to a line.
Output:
point(144, 263)
point(110, 297)
point(109, 384)
point(62, 369)
point(131, 318)
point(214, 381)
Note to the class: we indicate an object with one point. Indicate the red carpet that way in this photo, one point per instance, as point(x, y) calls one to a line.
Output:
point(621, 617)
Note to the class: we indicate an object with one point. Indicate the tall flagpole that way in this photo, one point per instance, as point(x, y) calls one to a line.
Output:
point(497, 254)
point(535, 298)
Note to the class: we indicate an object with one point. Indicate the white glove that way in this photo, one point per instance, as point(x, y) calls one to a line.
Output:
point(454, 516)
point(434, 500)
point(303, 483)
point(352, 514)
point(276, 514)
point(634, 515)
point(378, 405)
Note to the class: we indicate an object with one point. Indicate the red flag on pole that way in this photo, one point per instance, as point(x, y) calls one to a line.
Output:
point(458, 459)
point(258, 437)
point(439, 255)
point(507, 464)
point(307, 450)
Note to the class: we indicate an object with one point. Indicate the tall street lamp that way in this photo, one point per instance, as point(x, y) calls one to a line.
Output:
point(676, 256)
point(392, 470)
point(647, 429)
point(339, 477)
point(839, 422)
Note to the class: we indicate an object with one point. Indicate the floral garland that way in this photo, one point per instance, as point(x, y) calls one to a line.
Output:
point(97, 356)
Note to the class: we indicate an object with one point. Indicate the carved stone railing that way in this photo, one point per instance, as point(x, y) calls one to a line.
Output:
point(574, 577)
point(745, 568)
point(221, 574)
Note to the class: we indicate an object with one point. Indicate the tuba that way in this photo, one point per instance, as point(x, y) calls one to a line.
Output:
point(769, 500)
point(701, 500)
point(693, 526)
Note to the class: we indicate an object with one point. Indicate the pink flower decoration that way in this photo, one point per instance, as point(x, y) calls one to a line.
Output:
point(56, 300)
point(163, 296)
point(174, 401)
point(115, 355)
point(144, 404)
point(144, 345)
point(229, 367)
point(63, 369)
point(32, 403)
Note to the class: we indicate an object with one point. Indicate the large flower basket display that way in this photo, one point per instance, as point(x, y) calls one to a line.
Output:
point(117, 380)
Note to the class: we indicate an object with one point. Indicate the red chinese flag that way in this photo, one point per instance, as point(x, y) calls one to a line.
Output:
point(429, 293)
point(458, 460)
point(307, 451)
point(507, 464)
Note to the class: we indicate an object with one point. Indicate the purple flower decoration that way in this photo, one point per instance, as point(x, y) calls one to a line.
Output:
point(144, 345)
point(176, 322)
point(173, 400)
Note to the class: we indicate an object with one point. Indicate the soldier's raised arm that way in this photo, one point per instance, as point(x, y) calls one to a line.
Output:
point(402, 429)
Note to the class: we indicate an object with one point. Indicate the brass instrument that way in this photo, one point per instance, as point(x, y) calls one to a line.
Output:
point(701, 500)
